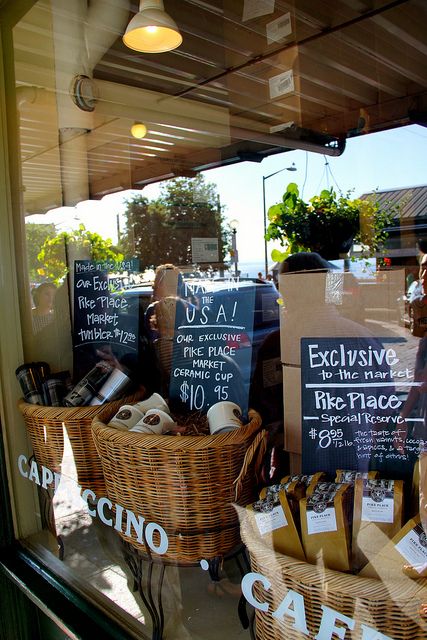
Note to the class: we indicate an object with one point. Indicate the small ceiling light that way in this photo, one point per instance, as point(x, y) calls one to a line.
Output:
point(138, 130)
point(152, 30)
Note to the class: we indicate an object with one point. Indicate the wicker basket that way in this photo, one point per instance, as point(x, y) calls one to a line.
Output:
point(392, 609)
point(45, 427)
point(186, 484)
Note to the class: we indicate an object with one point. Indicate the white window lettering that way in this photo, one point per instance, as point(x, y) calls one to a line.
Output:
point(21, 461)
point(248, 582)
point(293, 605)
point(328, 627)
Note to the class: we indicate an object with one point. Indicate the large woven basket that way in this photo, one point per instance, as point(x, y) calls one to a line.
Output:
point(45, 427)
point(186, 484)
point(392, 609)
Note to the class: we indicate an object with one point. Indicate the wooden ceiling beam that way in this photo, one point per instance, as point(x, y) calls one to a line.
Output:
point(407, 63)
point(392, 113)
point(407, 27)
point(360, 69)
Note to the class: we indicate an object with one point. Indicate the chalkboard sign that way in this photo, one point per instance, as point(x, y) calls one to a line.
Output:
point(212, 345)
point(101, 312)
point(351, 399)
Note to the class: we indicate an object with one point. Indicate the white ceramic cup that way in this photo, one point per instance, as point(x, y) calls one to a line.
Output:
point(141, 428)
point(126, 417)
point(224, 416)
point(225, 429)
point(155, 401)
point(154, 421)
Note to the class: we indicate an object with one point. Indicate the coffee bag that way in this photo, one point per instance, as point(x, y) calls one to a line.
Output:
point(326, 526)
point(274, 521)
point(405, 554)
point(378, 508)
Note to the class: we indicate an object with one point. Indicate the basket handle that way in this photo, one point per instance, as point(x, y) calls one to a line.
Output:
point(256, 451)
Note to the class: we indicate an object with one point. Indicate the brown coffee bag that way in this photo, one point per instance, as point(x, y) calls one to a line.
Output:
point(405, 554)
point(326, 526)
point(308, 480)
point(378, 508)
point(273, 519)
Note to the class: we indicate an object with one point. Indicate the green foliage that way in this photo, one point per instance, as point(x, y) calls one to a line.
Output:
point(36, 234)
point(160, 231)
point(327, 223)
point(79, 244)
point(279, 256)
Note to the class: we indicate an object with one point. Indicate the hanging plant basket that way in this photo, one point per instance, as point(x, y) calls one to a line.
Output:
point(327, 223)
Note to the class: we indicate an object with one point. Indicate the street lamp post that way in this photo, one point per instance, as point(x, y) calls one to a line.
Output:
point(233, 225)
point(264, 179)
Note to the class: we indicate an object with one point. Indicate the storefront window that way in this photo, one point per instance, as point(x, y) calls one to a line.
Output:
point(223, 359)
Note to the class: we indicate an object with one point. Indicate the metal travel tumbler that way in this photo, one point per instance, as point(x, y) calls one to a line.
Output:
point(43, 370)
point(84, 390)
point(112, 388)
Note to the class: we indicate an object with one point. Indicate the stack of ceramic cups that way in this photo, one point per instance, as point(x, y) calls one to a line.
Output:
point(150, 416)
point(224, 417)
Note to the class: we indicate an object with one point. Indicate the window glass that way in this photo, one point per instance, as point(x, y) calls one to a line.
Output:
point(223, 375)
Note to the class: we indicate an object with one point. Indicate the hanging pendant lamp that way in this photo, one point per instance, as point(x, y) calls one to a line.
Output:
point(152, 30)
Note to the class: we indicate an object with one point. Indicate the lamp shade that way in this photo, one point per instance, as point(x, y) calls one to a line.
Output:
point(152, 30)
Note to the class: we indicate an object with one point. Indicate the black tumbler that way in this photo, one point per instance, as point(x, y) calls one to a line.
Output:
point(29, 378)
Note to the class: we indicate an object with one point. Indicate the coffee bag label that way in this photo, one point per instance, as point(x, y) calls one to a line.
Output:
point(321, 511)
point(270, 521)
point(413, 547)
point(378, 501)
point(320, 521)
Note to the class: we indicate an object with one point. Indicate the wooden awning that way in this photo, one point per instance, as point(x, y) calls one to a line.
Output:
point(250, 79)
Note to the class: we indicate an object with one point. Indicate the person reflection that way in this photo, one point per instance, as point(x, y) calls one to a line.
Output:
point(422, 255)
point(43, 311)
point(165, 312)
point(414, 411)
point(415, 426)
point(167, 284)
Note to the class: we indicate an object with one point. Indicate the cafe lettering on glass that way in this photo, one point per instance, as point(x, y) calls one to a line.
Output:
point(100, 309)
point(353, 390)
point(212, 348)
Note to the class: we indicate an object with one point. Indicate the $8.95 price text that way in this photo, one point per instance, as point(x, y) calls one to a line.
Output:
point(329, 437)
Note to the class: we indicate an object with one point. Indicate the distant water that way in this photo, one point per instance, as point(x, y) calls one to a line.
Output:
point(251, 269)
point(362, 269)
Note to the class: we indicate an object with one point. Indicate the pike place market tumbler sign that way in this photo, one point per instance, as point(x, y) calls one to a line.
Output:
point(102, 313)
point(353, 390)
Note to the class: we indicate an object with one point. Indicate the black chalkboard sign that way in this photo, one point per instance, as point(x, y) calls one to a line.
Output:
point(351, 405)
point(101, 312)
point(212, 347)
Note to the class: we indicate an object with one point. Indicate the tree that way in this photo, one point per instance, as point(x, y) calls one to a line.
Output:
point(58, 253)
point(36, 235)
point(161, 230)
